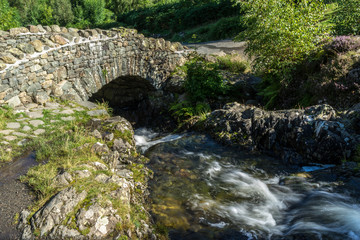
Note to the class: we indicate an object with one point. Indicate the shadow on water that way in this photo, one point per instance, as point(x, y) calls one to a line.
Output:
point(14, 195)
point(202, 190)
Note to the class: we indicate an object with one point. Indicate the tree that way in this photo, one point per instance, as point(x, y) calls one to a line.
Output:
point(280, 34)
point(89, 12)
point(9, 17)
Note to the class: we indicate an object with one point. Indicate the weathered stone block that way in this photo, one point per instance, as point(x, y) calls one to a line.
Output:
point(17, 53)
point(2, 65)
point(14, 101)
point(35, 68)
point(55, 28)
point(33, 29)
point(37, 45)
point(8, 58)
point(16, 31)
point(41, 29)
point(58, 39)
point(27, 48)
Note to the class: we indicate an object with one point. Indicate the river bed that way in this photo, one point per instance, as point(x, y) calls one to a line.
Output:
point(202, 190)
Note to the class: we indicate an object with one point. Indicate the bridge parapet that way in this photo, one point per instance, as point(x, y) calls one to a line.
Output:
point(39, 62)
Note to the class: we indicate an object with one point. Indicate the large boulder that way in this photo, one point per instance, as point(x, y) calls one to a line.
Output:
point(298, 136)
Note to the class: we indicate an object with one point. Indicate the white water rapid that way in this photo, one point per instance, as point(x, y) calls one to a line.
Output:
point(249, 201)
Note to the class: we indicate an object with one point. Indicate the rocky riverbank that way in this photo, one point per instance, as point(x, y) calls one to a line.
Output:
point(298, 136)
point(92, 183)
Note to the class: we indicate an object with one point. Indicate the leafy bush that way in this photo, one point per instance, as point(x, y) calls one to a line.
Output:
point(184, 110)
point(9, 17)
point(203, 80)
point(347, 17)
point(280, 34)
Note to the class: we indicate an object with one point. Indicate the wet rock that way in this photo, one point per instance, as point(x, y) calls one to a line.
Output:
point(56, 210)
point(298, 136)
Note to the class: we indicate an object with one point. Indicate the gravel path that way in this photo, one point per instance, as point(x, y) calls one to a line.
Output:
point(15, 196)
point(220, 47)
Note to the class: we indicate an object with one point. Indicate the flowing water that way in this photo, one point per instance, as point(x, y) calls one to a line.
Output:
point(202, 190)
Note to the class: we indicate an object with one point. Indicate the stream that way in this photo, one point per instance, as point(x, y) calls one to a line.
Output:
point(202, 190)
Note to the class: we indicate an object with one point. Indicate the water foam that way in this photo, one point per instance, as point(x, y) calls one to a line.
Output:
point(143, 138)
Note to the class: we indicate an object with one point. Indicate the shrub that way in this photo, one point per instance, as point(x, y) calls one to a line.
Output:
point(280, 34)
point(9, 17)
point(203, 80)
point(342, 44)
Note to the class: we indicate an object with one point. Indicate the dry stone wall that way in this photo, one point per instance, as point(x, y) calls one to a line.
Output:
point(39, 62)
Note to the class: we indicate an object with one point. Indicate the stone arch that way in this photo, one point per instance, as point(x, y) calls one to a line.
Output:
point(38, 62)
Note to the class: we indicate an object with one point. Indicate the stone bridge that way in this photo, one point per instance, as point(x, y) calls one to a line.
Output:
point(39, 62)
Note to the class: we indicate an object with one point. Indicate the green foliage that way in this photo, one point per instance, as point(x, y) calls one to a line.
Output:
point(88, 12)
point(346, 17)
point(233, 63)
point(185, 110)
point(203, 80)
point(61, 12)
point(9, 17)
point(280, 34)
point(45, 12)
point(227, 27)
point(177, 16)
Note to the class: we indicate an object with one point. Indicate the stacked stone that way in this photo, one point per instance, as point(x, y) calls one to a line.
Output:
point(38, 62)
